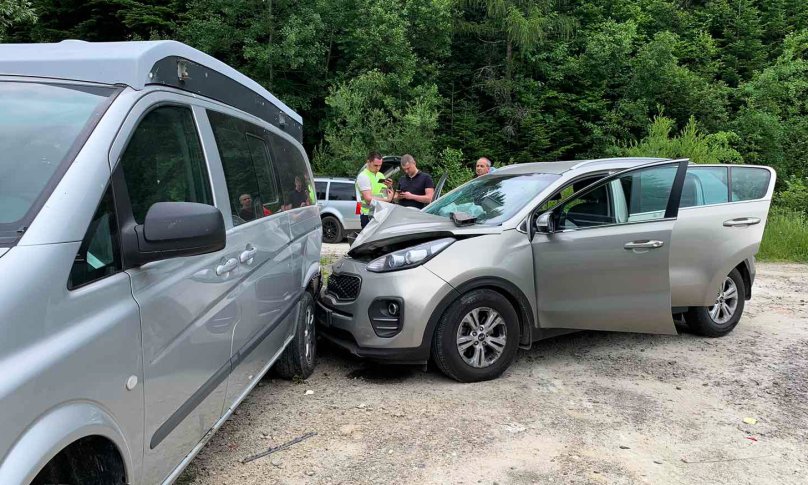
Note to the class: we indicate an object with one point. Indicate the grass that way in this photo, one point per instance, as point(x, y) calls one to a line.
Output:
point(786, 237)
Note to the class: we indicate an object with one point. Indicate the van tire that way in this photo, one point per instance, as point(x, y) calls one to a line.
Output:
point(702, 322)
point(446, 348)
point(300, 357)
point(333, 232)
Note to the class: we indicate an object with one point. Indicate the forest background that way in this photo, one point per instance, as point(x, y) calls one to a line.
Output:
point(719, 81)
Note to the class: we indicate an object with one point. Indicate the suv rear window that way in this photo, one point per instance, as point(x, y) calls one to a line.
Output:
point(342, 191)
point(42, 127)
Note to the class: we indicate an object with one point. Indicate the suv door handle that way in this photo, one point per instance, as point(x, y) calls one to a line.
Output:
point(644, 244)
point(227, 266)
point(247, 254)
point(742, 222)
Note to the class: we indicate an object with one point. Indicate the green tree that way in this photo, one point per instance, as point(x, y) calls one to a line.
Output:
point(14, 12)
point(690, 143)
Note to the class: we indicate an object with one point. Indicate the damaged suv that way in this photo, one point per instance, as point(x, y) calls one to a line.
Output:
point(541, 249)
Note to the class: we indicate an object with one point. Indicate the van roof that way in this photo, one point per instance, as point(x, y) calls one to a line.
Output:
point(139, 64)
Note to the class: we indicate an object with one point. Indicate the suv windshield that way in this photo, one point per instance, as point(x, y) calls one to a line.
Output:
point(40, 129)
point(494, 198)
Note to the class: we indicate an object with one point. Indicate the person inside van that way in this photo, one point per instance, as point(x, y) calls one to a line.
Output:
point(246, 211)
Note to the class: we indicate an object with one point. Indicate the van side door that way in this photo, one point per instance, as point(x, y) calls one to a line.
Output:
point(604, 266)
point(722, 215)
point(188, 305)
point(260, 231)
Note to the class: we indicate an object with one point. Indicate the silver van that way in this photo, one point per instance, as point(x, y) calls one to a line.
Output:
point(159, 251)
point(540, 249)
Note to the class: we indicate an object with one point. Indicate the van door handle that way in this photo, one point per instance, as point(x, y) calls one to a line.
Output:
point(742, 222)
point(227, 266)
point(644, 244)
point(247, 255)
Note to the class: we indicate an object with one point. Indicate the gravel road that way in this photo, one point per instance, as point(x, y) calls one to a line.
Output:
point(583, 408)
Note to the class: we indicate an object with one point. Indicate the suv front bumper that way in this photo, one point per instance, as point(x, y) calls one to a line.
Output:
point(347, 322)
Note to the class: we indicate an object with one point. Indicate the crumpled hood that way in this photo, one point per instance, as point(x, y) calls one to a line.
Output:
point(393, 224)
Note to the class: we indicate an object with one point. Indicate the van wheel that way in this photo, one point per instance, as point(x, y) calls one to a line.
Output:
point(298, 359)
point(477, 338)
point(332, 230)
point(719, 319)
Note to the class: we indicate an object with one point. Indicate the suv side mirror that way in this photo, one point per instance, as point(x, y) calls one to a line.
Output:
point(175, 229)
point(544, 223)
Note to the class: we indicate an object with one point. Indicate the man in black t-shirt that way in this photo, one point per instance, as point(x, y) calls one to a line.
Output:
point(415, 188)
point(298, 197)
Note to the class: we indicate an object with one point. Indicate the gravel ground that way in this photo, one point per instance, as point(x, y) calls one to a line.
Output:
point(583, 408)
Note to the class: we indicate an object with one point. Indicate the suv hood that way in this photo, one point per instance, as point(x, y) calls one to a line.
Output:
point(393, 225)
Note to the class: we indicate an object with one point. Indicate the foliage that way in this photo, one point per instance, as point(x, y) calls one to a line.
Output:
point(795, 195)
point(450, 162)
point(786, 237)
point(13, 12)
point(690, 143)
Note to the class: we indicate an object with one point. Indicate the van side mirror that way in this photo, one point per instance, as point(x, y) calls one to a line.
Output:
point(544, 223)
point(176, 229)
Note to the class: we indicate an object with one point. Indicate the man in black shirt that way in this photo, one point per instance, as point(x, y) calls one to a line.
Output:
point(415, 188)
point(298, 197)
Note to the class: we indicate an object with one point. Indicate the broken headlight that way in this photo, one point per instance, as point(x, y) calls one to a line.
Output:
point(410, 257)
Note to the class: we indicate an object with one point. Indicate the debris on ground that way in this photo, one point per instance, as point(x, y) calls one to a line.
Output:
point(279, 448)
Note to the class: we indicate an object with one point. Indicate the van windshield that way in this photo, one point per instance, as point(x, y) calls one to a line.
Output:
point(40, 129)
point(492, 199)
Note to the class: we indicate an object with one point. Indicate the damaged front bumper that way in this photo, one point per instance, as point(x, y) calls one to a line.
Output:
point(380, 316)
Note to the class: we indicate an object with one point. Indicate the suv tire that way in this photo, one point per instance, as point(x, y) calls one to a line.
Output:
point(468, 354)
point(333, 232)
point(300, 356)
point(719, 319)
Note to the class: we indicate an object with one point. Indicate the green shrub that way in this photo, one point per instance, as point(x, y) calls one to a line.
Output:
point(786, 237)
point(794, 197)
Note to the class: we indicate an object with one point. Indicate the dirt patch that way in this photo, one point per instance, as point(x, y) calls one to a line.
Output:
point(586, 408)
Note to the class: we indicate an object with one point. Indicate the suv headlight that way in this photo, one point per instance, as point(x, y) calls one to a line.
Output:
point(410, 257)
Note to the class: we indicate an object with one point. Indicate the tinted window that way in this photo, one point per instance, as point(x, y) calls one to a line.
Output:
point(267, 182)
point(39, 125)
point(297, 188)
point(98, 255)
point(342, 191)
point(320, 188)
point(704, 186)
point(164, 162)
point(648, 190)
point(749, 183)
point(492, 199)
point(237, 151)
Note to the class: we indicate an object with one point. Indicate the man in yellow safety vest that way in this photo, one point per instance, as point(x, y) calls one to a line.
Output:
point(371, 185)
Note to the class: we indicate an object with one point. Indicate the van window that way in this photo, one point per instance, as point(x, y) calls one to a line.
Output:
point(297, 188)
point(99, 253)
point(342, 191)
point(267, 182)
point(704, 186)
point(749, 183)
point(163, 161)
point(250, 171)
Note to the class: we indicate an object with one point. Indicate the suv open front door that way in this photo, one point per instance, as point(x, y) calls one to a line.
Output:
point(603, 262)
point(439, 187)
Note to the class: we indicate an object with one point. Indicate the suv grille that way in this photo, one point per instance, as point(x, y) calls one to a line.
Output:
point(344, 286)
